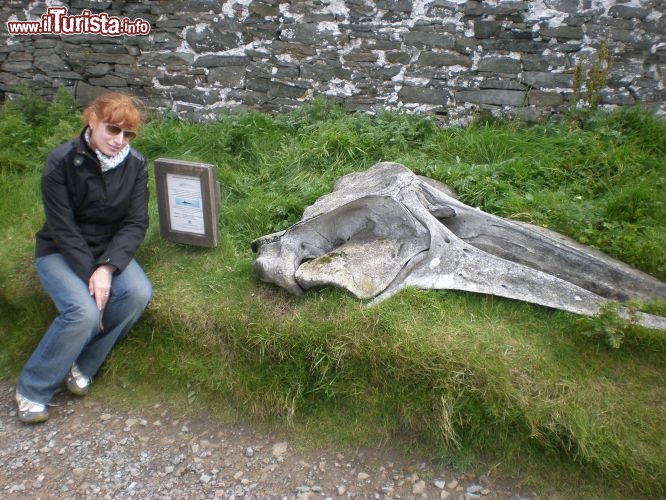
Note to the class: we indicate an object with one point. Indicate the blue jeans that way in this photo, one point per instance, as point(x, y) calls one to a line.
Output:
point(74, 337)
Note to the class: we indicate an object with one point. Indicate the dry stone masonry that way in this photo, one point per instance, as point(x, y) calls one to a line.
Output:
point(451, 58)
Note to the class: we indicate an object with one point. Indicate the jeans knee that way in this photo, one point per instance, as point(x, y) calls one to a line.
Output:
point(85, 316)
point(141, 295)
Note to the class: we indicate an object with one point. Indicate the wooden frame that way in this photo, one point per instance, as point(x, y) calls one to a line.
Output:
point(188, 201)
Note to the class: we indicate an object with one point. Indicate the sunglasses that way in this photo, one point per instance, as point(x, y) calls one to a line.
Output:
point(115, 130)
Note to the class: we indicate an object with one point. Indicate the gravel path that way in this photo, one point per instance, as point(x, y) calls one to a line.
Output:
point(87, 450)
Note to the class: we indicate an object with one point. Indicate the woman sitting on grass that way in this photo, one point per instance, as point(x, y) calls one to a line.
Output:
point(95, 196)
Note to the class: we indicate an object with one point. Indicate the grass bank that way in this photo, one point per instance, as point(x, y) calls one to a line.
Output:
point(572, 406)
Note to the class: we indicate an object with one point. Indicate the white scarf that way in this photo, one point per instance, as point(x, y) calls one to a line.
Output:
point(108, 162)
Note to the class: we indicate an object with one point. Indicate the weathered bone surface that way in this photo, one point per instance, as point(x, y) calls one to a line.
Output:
point(386, 228)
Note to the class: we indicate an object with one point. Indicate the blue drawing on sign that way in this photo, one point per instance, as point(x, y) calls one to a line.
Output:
point(184, 202)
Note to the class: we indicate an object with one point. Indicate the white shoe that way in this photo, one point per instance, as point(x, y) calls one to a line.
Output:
point(77, 383)
point(30, 412)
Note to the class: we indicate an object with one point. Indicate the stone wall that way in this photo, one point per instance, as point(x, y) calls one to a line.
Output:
point(445, 57)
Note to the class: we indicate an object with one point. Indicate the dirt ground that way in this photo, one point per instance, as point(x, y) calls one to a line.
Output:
point(89, 450)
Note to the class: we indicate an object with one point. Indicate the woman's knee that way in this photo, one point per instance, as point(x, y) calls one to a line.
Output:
point(137, 285)
point(139, 294)
point(144, 294)
point(86, 316)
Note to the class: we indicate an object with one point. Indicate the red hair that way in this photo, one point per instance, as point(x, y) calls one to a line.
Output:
point(115, 108)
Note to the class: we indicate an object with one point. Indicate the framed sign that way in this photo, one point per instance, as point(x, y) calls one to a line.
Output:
point(188, 201)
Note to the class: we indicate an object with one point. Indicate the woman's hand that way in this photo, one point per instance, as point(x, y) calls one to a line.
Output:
point(100, 285)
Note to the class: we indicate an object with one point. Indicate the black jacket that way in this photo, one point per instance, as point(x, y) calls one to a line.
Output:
point(92, 218)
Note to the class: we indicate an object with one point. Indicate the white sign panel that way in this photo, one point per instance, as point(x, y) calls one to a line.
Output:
point(185, 204)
